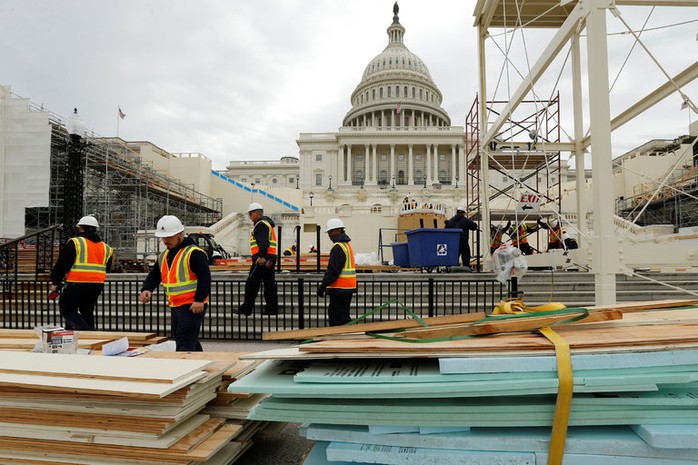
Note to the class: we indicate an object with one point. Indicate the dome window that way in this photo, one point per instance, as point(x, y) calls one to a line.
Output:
point(405, 89)
point(380, 92)
point(420, 94)
point(389, 91)
point(397, 91)
point(373, 94)
point(414, 92)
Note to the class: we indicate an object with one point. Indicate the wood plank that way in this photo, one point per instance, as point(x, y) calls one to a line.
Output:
point(104, 368)
point(302, 334)
point(485, 327)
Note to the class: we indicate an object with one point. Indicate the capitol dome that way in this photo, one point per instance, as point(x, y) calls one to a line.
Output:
point(396, 82)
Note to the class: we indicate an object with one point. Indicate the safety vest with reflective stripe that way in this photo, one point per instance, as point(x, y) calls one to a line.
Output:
point(347, 277)
point(177, 278)
point(522, 235)
point(254, 248)
point(90, 261)
point(555, 235)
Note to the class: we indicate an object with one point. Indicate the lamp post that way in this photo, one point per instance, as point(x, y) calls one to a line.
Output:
point(73, 175)
point(456, 181)
point(310, 196)
point(392, 187)
point(329, 189)
point(252, 192)
point(296, 182)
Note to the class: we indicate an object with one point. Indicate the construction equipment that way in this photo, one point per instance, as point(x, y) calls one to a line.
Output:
point(206, 241)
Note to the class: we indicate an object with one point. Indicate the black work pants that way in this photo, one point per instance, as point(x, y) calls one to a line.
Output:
point(185, 328)
point(338, 310)
point(464, 251)
point(77, 304)
point(261, 274)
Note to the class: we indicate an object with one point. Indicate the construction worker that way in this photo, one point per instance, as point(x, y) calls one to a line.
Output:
point(496, 235)
point(519, 233)
point(263, 250)
point(184, 273)
point(339, 281)
point(84, 262)
point(290, 251)
point(555, 240)
point(465, 224)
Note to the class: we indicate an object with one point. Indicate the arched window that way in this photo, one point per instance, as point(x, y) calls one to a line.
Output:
point(373, 94)
point(414, 93)
point(397, 91)
point(405, 89)
point(377, 208)
point(420, 94)
point(380, 92)
point(389, 91)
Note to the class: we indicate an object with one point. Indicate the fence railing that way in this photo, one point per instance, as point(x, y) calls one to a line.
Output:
point(24, 304)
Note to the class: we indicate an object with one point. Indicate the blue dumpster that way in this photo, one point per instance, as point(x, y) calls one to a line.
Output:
point(429, 247)
point(401, 256)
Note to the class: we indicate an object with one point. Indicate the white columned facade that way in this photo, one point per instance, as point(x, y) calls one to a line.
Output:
point(410, 166)
point(392, 162)
point(349, 169)
point(428, 165)
point(340, 165)
point(436, 163)
point(461, 163)
point(453, 165)
point(367, 166)
point(374, 166)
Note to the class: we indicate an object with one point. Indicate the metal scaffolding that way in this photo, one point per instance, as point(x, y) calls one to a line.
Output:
point(122, 190)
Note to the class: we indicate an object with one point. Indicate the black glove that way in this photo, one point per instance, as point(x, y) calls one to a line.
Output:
point(321, 291)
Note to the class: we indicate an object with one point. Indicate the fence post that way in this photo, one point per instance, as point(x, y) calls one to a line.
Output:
point(301, 303)
point(431, 297)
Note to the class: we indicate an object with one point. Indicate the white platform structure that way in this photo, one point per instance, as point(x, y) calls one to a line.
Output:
point(575, 20)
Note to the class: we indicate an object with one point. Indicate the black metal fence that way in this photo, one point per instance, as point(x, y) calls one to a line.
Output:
point(25, 305)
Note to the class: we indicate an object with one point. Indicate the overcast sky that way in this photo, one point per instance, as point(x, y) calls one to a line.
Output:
point(239, 80)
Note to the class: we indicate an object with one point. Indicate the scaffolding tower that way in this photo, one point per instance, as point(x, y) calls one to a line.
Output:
point(519, 152)
point(123, 191)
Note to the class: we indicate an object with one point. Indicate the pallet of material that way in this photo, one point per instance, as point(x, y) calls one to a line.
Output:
point(27, 338)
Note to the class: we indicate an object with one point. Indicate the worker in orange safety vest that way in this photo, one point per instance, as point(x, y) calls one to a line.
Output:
point(339, 280)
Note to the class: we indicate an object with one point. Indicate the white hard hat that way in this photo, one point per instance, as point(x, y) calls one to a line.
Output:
point(334, 223)
point(254, 206)
point(168, 226)
point(461, 208)
point(88, 220)
point(554, 223)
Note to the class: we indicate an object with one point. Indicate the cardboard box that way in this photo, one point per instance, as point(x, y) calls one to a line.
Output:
point(59, 341)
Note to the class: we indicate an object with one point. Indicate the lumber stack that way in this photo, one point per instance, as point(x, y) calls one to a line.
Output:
point(146, 410)
point(489, 392)
point(26, 339)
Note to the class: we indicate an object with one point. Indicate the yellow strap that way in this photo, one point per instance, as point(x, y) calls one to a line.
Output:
point(564, 396)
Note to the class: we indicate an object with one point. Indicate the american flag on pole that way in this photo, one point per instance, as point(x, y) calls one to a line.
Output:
point(398, 108)
point(122, 115)
point(684, 104)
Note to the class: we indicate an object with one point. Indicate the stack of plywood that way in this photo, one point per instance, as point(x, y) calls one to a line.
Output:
point(82, 409)
point(26, 339)
point(466, 399)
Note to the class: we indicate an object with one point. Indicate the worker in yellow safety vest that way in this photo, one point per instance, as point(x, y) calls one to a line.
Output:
point(339, 281)
point(84, 262)
point(263, 250)
point(184, 273)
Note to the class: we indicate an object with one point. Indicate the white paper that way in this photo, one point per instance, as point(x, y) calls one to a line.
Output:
point(115, 347)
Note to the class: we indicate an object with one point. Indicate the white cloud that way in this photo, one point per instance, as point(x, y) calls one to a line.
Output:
point(239, 80)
